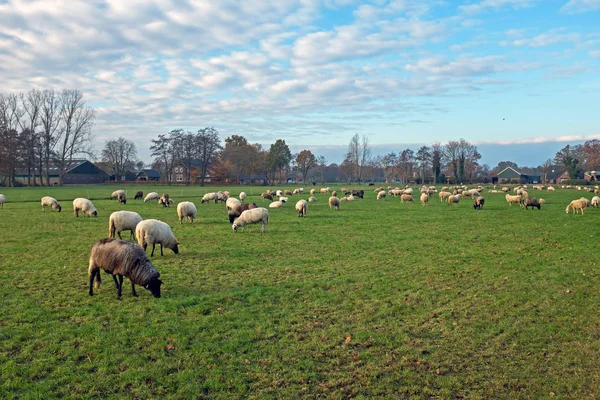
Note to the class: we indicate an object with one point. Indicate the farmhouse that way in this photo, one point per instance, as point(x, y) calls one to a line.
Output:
point(557, 174)
point(80, 172)
point(509, 173)
point(148, 175)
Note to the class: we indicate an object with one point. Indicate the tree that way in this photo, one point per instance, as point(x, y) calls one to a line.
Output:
point(437, 159)
point(31, 103)
point(120, 155)
point(406, 163)
point(50, 123)
point(388, 163)
point(569, 157)
point(306, 160)
point(208, 143)
point(423, 158)
point(358, 154)
point(279, 157)
point(462, 157)
point(591, 154)
point(164, 151)
point(546, 167)
point(505, 164)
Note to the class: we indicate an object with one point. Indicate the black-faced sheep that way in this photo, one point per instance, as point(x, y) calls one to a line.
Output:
point(530, 202)
point(48, 201)
point(359, 193)
point(238, 210)
point(187, 210)
point(81, 204)
point(120, 258)
point(139, 195)
point(153, 231)
point(120, 221)
point(250, 217)
point(478, 202)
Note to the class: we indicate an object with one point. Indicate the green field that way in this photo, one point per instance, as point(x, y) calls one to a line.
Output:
point(378, 300)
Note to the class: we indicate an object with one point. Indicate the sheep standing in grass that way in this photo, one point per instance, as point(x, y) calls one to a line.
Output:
point(222, 197)
point(530, 202)
point(120, 221)
point(164, 200)
point(478, 202)
point(586, 201)
point(301, 206)
point(153, 231)
point(232, 203)
point(48, 201)
point(595, 201)
point(120, 258)
point(187, 210)
point(455, 198)
point(288, 192)
point(406, 198)
point(116, 193)
point(84, 205)
point(239, 209)
point(513, 199)
point(209, 197)
point(242, 196)
point(139, 195)
point(151, 196)
point(381, 195)
point(264, 196)
point(577, 205)
point(312, 199)
point(334, 203)
point(424, 198)
point(312, 192)
point(444, 195)
point(250, 217)
point(2, 200)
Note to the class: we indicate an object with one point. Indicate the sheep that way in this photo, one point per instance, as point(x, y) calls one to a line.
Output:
point(324, 190)
point(334, 193)
point(209, 197)
point(513, 199)
point(284, 199)
point(48, 201)
point(84, 205)
point(312, 199)
point(455, 198)
point(276, 204)
point(151, 196)
point(350, 198)
point(444, 195)
point(226, 193)
point(116, 193)
point(301, 207)
point(334, 203)
point(406, 197)
point(595, 201)
point(264, 196)
point(287, 193)
point(381, 195)
point(542, 201)
point(408, 191)
point(238, 210)
point(530, 202)
point(164, 200)
point(138, 195)
point(242, 196)
point(312, 192)
point(222, 197)
point(505, 189)
point(153, 231)
point(2, 200)
point(250, 217)
point(424, 199)
point(232, 203)
point(577, 205)
point(278, 193)
point(296, 191)
point(343, 199)
point(120, 221)
point(186, 209)
point(358, 193)
point(120, 258)
point(478, 202)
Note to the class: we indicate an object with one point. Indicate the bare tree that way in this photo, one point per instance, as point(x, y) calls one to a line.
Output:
point(31, 103)
point(358, 155)
point(437, 159)
point(120, 155)
point(163, 149)
point(423, 157)
point(462, 156)
point(208, 144)
point(50, 128)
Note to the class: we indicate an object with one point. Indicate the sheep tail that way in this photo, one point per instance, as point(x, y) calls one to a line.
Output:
point(111, 228)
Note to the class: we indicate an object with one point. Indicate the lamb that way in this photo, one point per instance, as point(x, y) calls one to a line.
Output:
point(165, 200)
point(209, 197)
point(151, 196)
point(301, 207)
point(381, 195)
point(2, 200)
point(120, 258)
point(250, 217)
point(264, 196)
point(242, 196)
point(84, 205)
point(595, 201)
point(120, 221)
point(455, 198)
point(237, 211)
point(186, 209)
point(577, 205)
point(48, 201)
point(138, 195)
point(406, 197)
point(530, 202)
point(513, 199)
point(312, 199)
point(424, 199)
point(478, 202)
point(334, 202)
point(153, 231)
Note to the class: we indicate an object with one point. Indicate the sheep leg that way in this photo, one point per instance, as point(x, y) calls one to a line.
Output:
point(161, 250)
point(133, 290)
point(120, 237)
point(120, 285)
point(153, 247)
point(92, 276)
point(116, 282)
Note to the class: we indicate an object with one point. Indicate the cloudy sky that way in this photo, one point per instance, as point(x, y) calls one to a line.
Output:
point(500, 73)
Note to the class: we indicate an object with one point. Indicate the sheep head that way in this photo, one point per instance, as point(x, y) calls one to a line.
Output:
point(154, 287)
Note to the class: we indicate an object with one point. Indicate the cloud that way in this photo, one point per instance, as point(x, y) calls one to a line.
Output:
point(580, 6)
point(495, 5)
point(544, 39)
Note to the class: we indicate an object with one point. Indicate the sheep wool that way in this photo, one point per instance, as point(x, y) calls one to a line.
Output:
point(301, 206)
point(577, 205)
point(455, 198)
point(513, 199)
point(81, 204)
point(334, 203)
point(238, 210)
point(138, 195)
point(232, 203)
point(2, 200)
point(276, 204)
point(186, 209)
point(406, 198)
point(209, 197)
point(153, 231)
point(151, 196)
point(116, 193)
point(381, 195)
point(242, 196)
point(48, 201)
point(250, 217)
point(424, 198)
point(120, 221)
point(120, 258)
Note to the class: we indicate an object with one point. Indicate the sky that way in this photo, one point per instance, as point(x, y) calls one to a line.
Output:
point(518, 78)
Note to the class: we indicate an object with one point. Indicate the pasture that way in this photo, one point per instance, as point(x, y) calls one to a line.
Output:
point(378, 299)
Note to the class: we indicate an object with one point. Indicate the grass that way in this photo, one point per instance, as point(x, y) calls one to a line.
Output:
point(380, 299)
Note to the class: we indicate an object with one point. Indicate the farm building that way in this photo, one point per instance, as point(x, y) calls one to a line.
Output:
point(509, 174)
point(557, 174)
point(81, 172)
point(148, 175)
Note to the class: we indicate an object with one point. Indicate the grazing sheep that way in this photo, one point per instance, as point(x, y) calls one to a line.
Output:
point(232, 203)
point(586, 201)
point(408, 191)
point(444, 195)
point(238, 210)
point(2, 200)
point(312, 199)
point(120, 221)
point(48, 201)
point(542, 201)
point(358, 193)
point(324, 190)
point(301, 206)
point(226, 193)
point(406, 198)
point(455, 198)
point(276, 204)
point(505, 189)
point(334, 193)
point(84, 205)
point(222, 197)
point(381, 195)
point(296, 191)
point(120, 258)
point(186, 209)
point(264, 196)
point(278, 193)
point(595, 201)
point(153, 231)
point(530, 202)
point(209, 197)
point(138, 195)
point(116, 193)
point(424, 199)
point(165, 200)
point(151, 196)
point(334, 202)
point(312, 192)
point(478, 202)
point(577, 205)
point(513, 199)
point(250, 217)
point(350, 198)
point(242, 196)
point(343, 199)
point(287, 192)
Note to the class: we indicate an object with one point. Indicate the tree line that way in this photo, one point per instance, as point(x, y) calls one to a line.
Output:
point(43, 130)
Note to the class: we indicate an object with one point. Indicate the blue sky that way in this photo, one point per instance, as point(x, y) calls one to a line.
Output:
point(518, 78)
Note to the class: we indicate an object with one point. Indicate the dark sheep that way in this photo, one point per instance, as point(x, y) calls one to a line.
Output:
point(233, 214)
point(120, 258)
point(358, 193)
point(478, 202)
point(164, 200)
point(266, 196)
point(530, 202)
point(139, 195)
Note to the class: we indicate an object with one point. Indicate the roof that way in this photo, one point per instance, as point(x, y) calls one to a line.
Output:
point(555, 172)
point(150, 173)
point(55, 171)
point(512, 169)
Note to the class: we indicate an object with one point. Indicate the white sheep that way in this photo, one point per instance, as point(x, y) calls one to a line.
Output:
point(381, 195)
point(253, 216)
point(186, 209)
point(2, 200)
point(209, 197)
point(153, 231)
point(278, 193)
point(595, 201)
point(334, 202)
point(455, 198)
point(151, 196)
point(312, 199)
point(48, 201)
point(232, 203)
point(120, 221)
point(313, 191)
point(119, 195)
point(424, 198)
point(242, 196)
point(84, 205)
point(284, 199)
point(301, 206)
point(276, 204)
point(513, 199)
